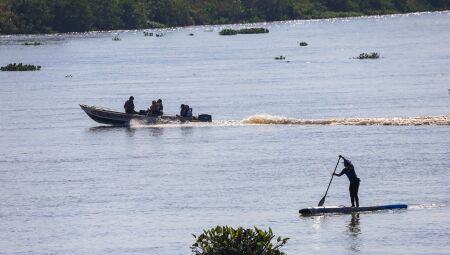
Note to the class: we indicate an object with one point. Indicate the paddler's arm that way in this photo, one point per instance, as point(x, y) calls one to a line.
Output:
point(343, 170)
point(341, 173)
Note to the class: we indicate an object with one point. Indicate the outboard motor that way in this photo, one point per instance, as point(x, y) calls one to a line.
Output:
point(205, 117)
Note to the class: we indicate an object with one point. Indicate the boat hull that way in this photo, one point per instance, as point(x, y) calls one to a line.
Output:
point(109, 117)
point(342, 209)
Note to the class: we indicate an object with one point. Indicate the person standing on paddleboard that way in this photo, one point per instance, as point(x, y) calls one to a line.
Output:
point(349, 170)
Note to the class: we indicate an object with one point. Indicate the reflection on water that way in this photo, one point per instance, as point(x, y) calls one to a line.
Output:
point(187, 131)
point(130, 131)
point(354, 230)
point(156, 131)
point(101, 129)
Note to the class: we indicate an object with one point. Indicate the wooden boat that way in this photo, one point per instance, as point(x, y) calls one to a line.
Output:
point(342, 209)
point(111, 117)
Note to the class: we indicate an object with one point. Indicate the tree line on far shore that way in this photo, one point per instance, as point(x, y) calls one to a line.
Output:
point(53, 16)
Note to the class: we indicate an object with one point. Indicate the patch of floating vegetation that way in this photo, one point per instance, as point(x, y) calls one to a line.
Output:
point(32, 43)
point(373, 55)
point(255, 30)
point(153, 34)
point(116, 38)
point(303, 44)
point(20, 67)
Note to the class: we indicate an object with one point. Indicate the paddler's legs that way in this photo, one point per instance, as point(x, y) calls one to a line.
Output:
point(353, 188)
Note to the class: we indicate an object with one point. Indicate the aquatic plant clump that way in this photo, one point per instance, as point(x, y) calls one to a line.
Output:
point(20, 67)
point(229, 31)
point(224, 240)
point(32, 43)
point(259, 30)
point(373, 55)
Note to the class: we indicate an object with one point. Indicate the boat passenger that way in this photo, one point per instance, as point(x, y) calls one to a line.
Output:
point(183, 110)
point(159, 107)
point(186, 111)
point(189, 111)
point(349, 171)
point(153, 110)
point(129, 106)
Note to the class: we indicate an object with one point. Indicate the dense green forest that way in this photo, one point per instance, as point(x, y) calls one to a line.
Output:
point(49, 16)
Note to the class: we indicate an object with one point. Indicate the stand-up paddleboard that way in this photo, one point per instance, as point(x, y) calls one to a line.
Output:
point(343, 209)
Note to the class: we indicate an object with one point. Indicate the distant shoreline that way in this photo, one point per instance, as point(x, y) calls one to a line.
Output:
point(65, 16)
point(250, 24)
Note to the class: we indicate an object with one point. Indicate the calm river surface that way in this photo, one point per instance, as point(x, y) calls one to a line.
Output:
point(71, 186)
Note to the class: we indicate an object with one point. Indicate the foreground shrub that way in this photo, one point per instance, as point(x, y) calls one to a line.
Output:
point(224, 240)
point(373, 55)
point(20, 67)
point(229, 31)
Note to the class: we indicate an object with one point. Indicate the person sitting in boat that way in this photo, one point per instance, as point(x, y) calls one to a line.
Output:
point(182, 110)
point(153, 110)
point(185, 111)
point(159, 107)
point(188, 111)
point(349, 171)
point(129, 106)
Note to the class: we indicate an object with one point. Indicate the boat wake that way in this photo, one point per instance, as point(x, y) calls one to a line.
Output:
point(264, 119)
point(391, 121)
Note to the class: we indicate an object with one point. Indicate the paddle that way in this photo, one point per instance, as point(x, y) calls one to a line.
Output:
point(322, 201)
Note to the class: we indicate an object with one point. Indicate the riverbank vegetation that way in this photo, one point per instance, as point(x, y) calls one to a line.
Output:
point(229, 241)
point(49, 16)
point(20, 67)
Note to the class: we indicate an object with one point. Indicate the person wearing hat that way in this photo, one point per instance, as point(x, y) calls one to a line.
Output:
point(129, 106)
point(183, 110)
point(349, 171)
point(153, 109)
point(160, 107)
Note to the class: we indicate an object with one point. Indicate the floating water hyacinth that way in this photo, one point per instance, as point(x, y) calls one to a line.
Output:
point(229, 31)
point(20, 67)
point(116, 38)
point(32, 43)
point(373, 55)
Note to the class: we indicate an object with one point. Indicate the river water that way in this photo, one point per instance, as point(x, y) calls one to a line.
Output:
point(69, 185)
